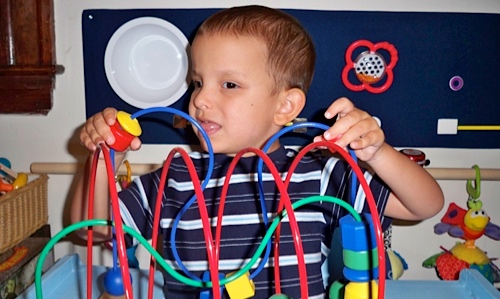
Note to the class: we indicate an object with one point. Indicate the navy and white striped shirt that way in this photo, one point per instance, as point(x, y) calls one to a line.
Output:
point(243, 229)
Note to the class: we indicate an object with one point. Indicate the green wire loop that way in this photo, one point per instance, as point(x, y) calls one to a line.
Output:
point(181, 278)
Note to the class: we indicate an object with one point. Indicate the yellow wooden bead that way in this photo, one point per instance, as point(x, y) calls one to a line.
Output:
point(240, 288)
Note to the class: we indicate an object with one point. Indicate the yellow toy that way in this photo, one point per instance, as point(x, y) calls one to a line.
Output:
point(240, 288)
point(468, 225)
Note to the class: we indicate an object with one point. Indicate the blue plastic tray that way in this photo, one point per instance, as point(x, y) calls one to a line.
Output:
point(471, 284)
point(67, 279)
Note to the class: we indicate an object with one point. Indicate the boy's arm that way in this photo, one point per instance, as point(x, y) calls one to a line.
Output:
point(415, 194)
point(95, 131)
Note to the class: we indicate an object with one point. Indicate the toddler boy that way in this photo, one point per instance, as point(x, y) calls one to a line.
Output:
point(251, 69)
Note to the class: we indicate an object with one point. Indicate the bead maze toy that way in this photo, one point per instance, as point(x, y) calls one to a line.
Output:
point(364, 256)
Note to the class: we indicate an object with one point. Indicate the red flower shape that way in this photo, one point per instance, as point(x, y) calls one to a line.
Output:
point(373, 61)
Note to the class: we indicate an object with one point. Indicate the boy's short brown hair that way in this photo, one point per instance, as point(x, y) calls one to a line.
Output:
point(291, 54)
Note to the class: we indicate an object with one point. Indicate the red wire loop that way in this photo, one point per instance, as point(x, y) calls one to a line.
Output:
point(284, 200)
point(119, 235)
point(212, 258)
point(369, 197)
point(213, 247)
point(90, 215)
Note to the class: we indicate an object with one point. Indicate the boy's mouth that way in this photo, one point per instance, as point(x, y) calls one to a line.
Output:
point(210, 127)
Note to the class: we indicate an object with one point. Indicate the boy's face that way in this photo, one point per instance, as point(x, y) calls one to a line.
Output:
point(233, 95)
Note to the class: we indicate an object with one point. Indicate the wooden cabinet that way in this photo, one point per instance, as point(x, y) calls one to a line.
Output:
point(27, 56)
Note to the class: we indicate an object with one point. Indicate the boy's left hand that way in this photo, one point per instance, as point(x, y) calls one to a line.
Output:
point(353, 127)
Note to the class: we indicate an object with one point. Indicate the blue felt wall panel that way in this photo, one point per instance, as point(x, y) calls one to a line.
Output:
point(432, 48)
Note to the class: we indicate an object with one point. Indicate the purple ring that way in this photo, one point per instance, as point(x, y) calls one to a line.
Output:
point(456, 83)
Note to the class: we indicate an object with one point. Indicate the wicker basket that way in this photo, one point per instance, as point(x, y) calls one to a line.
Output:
point(22, 212)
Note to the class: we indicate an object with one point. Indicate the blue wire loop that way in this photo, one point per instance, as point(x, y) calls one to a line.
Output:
point(190, 202)
point(264, 211)
point(299, 126)
point(261, 184)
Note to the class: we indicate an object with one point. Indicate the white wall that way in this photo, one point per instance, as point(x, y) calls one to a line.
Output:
point(27, 139)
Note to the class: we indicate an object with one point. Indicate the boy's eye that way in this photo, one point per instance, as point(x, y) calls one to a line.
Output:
point(197, 84)
point(229, 85)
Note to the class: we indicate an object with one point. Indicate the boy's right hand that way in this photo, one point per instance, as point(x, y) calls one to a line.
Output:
point(96, 130)
point(356, 128)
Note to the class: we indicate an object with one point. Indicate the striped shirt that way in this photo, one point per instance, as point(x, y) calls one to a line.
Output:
point(242, 226)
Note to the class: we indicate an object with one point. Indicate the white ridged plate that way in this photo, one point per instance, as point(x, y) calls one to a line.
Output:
point(146, 62)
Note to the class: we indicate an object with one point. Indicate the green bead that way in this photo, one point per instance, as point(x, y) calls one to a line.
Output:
point(336, 290)
point(360, 260)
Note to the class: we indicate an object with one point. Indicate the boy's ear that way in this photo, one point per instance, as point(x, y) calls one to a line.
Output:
point(291, 103)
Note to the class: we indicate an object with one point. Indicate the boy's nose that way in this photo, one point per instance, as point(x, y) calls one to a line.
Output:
point(201, 98)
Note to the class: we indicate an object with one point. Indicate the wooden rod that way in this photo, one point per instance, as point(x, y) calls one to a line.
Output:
point(487, 174)
point(71, 168)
